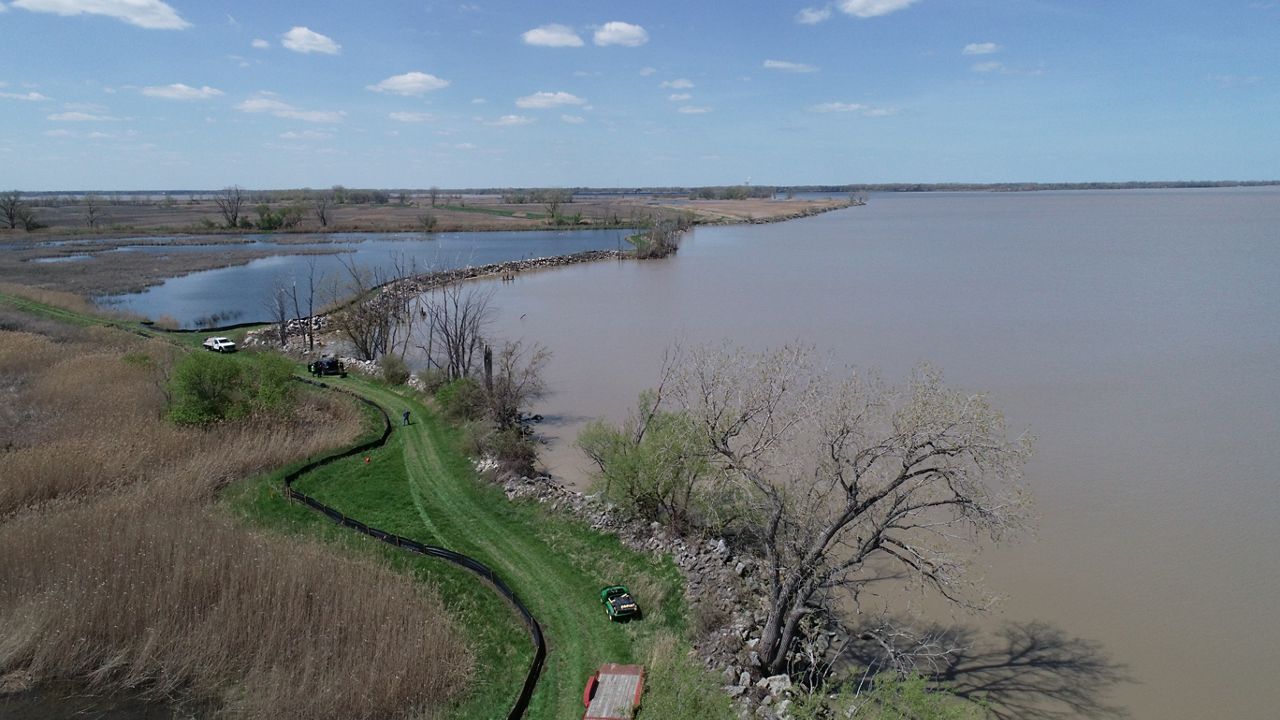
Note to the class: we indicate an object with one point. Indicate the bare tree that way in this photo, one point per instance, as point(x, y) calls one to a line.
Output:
point(844, 473)
point(305, 297)
point(277, 303)
point(320, 206)
point(515, 381)
point(27, 218)
point(230, 202)
point(10, 202)
point(434, 194)
point(380, 318)
point(458, 316)
point(92, 209)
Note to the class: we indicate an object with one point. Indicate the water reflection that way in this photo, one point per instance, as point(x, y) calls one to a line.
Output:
point(242, 291)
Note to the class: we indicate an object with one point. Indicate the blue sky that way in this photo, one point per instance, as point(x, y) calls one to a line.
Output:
point(152, 94)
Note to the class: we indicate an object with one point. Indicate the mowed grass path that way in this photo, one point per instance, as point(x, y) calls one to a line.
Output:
point(420, 486)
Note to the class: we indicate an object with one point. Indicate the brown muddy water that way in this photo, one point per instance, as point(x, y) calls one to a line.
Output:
point(1137, 334)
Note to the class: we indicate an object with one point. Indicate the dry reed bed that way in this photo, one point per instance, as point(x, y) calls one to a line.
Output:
point(113, 593)
point(114, 569)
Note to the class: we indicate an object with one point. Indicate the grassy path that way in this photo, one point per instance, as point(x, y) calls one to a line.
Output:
point(421, 487)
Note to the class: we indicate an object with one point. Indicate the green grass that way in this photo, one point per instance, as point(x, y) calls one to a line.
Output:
point(494, 633)
point(421, 486)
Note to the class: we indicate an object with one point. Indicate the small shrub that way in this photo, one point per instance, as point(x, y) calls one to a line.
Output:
point(208, 388)
point(270, 384)
point(432, 379)
point(473, 438)
point(204, 390)
point(394, 370)
point(708, 617)
point(514, 452)
point(462, 399)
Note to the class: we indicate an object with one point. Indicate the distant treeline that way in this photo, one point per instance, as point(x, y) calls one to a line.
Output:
point(379, 196)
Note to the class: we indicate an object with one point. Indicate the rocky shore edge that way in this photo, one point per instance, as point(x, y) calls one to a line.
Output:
point(722, 591)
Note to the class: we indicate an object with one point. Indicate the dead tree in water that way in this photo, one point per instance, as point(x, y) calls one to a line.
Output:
point(458, 316)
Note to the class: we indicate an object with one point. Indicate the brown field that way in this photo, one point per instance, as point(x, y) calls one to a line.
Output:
point(24, 255)
point(120, 573)
point(65, 218)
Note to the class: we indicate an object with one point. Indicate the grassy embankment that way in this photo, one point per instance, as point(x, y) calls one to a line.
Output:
point(421, 486)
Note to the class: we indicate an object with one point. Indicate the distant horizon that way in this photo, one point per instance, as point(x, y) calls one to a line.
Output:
point(798, 187)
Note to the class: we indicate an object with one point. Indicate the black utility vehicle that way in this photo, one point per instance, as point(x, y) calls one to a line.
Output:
point(327, 366)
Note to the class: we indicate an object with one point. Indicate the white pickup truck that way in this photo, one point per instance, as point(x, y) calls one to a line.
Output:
point(220, 344)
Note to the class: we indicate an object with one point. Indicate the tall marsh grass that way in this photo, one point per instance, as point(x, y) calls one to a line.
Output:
point(116, 570)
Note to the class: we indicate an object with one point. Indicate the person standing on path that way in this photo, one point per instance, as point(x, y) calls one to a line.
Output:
point(404, 418)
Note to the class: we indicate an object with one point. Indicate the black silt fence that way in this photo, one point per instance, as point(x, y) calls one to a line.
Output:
point(413, 546)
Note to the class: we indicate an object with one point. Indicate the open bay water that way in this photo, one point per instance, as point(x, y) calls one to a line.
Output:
point(1135, 333)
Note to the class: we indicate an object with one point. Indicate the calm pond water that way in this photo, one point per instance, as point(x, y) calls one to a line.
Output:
point(1136, 333)
point(241, 293)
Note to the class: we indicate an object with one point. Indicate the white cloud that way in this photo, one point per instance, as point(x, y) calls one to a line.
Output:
point(410, 117)
point(305, 40)
point(509, 120)
point(788, 66)
point(410, 83)
point(647, 71)
point(31, 96)
point(260, 43)
point(58, 133)
point(543, 100)
point(693, 110)
point(988, 67)
point(573, 119)
point(178, 91)
point(552, 35)
point(478, 101)
point(1227, 81)
point(76, 116)
point(149, 14)
point(678, 84)
point(844, 107)
point(305, 135)
point(813, 16)
point(267, 103)
point(679, 97)
point(985, 48)
point(837, 107)
point(873, 8)
point(621, 33)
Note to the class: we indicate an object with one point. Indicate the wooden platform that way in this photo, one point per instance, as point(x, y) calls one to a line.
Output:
point(617, 692)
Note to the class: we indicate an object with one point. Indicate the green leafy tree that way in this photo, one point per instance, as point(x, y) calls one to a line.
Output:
point(654, 465)
point(206, 389)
